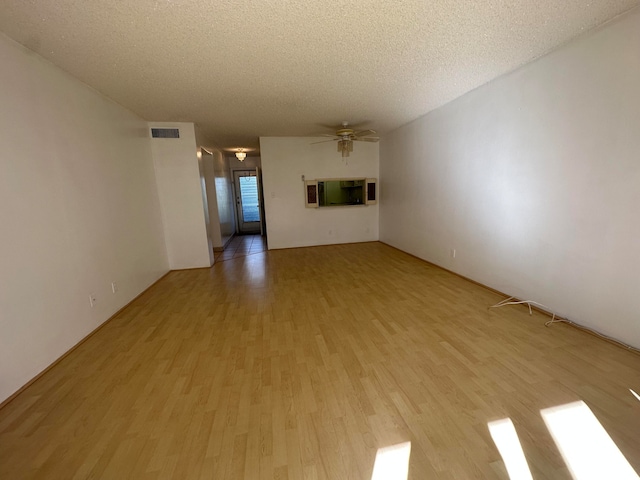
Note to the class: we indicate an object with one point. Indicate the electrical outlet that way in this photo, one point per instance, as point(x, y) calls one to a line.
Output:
point(114, 287)
point(453, 253)
point(92, 299)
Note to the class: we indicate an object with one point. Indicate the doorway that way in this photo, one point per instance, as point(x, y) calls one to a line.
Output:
point(247, 201)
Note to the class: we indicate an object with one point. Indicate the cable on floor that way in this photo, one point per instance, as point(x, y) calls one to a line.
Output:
point(556, 319)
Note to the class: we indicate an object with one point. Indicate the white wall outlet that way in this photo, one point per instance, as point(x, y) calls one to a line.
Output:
point(114, 287)
point(92, 299)
point(453, 253)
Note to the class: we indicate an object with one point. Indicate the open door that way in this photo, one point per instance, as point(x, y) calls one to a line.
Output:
point(248, 201)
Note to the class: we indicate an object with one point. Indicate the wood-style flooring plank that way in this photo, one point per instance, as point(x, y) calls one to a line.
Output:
point(302, 363)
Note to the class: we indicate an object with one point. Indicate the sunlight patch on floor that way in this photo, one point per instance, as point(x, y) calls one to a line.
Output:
point(635, 394)
point(506, 439)
point(586, 447)
point(392, 463)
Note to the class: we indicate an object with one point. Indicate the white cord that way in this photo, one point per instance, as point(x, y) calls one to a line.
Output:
point(555, 319)
point(528, 302)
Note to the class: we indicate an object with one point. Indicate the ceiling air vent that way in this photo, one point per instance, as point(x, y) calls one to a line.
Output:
point(165, 133)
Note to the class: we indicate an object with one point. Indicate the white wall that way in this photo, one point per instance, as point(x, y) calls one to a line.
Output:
point(208, 189)
point(225, 200)
point(78, 210)
point(210, 228)
point(249, 163)
point(220, 198)
point(534, 179)
point(207, 161)
point(181, 197)
point(289, 223)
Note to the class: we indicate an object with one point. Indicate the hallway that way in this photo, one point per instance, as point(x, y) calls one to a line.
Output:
point(241, 246)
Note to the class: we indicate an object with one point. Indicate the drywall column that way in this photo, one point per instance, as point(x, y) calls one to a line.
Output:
point(202, 155)
point(207, 161)
point(225, 200)
point(180, 192)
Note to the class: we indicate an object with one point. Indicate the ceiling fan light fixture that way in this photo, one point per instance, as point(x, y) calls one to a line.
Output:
point(345, 146)
point(345, 136)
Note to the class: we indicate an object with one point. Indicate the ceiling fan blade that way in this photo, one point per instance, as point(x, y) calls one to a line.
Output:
point(329, 127)
point(365, 133)
point(367, 139)
point(324, 141)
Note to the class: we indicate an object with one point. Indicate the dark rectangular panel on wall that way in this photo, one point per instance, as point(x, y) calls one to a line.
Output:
point(372, 191)
point(311, 194)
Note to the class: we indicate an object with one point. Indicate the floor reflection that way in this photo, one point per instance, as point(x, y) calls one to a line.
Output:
point(241, 246)
point(586, 447)
point(506, 439)
point(392, 463)
point(255, 270)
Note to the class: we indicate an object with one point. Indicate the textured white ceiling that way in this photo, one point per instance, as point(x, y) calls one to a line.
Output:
point(241, 69)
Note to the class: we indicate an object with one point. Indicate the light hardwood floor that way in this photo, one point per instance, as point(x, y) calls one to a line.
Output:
point(301, 363)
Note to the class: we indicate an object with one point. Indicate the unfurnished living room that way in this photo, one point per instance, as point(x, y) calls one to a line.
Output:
point(328, 240)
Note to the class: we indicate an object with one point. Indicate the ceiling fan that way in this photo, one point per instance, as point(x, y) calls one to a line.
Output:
point(345, 136)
